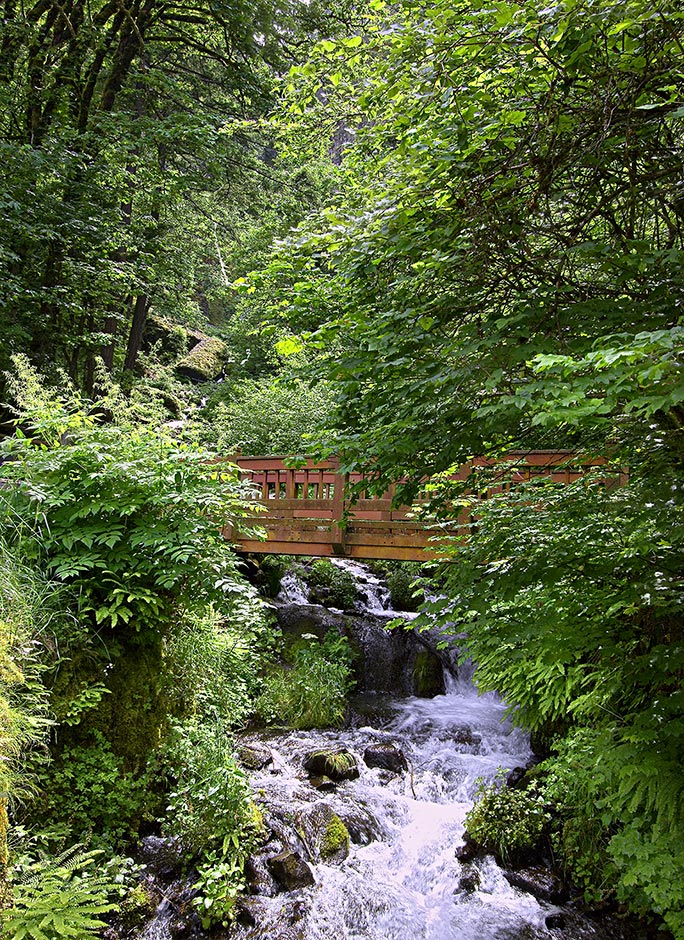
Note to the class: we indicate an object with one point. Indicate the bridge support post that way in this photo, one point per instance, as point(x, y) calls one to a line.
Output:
point(337, 526)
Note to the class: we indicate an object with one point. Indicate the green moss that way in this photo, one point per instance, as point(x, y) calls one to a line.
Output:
point(134, 717)
point(335, 837)
point(428, 675)
point(170, 339)
point(138, 906)
point(205, 360)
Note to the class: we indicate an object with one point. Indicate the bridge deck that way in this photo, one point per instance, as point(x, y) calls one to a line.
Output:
point(308, 511)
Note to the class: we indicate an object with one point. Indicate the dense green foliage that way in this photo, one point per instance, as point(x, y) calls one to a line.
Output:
point(499, 267)
point(122, 131)
point(129, 517)
point(506, 821)
point(310, 691)
point(26, 606)
point(501, 257)
point(270, 417)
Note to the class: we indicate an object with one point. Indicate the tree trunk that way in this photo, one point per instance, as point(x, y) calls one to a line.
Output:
point(135, 335)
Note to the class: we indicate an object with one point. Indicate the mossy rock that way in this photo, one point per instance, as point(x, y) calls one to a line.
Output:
point(205, 361)
point(331, 586)
point(428, 675)
point(170, 338)
point(335, 844)
point(323, 833)
point(139, 906)
point(254, 758)
point(336, 764)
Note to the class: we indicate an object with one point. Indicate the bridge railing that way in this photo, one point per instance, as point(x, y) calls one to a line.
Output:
point(310, 509)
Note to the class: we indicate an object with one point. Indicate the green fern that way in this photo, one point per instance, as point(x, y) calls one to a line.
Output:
point(60, 898)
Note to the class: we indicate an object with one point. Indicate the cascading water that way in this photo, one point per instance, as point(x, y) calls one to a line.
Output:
point(401, 879)
point(404, 883)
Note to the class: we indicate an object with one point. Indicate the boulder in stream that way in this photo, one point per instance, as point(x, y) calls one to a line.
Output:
point(538, 881)
point(162, 856)
point(337, 764)
point(469, 880)
point(323, 833)
point(469, 850)
point(259, 878)
point(254, 757)
point(385, 757)
point(290, 870)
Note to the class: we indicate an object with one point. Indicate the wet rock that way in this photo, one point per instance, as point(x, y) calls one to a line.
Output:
point(297, 619)
point(371, 709)
point(323, 784)
point(428, 675)
point(469, 850)
point(469, 881)
point(362, 826)
point(325, 836)
point(336, 764)
point(466, 736)
point(516, 778)
point(385, 757)
point(254, 758)
point(539, 882)
point(163, 856)
point(290, 870)
point(555, 921)
point(259, 878)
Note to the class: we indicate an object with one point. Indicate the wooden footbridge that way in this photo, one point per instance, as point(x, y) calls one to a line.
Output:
point(311, 510)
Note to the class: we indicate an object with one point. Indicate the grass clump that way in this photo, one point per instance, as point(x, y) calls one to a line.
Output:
point(311, 690)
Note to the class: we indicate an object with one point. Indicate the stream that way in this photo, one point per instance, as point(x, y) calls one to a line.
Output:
point(404, 883)
point(401, 878)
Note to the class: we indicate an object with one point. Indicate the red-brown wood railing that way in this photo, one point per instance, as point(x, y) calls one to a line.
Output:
point(309, 510)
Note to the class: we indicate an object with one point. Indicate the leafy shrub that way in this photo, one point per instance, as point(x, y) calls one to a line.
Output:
point(618, 806)
point(87, 790)
point(26, 605)
point(220, 882)
point(213, 660)
point(61, 897)
point(270, 417)
point(210, 807)
point(506, 821)
point(312, 693)
point(339, 587)
point(128, 516)
point(406, 590)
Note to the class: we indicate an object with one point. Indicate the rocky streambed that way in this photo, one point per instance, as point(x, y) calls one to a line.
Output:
point(366, 825)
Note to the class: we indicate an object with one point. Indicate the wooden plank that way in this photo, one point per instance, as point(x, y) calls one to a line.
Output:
point(390, 552)
point(276, 547)
point(299, 504)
